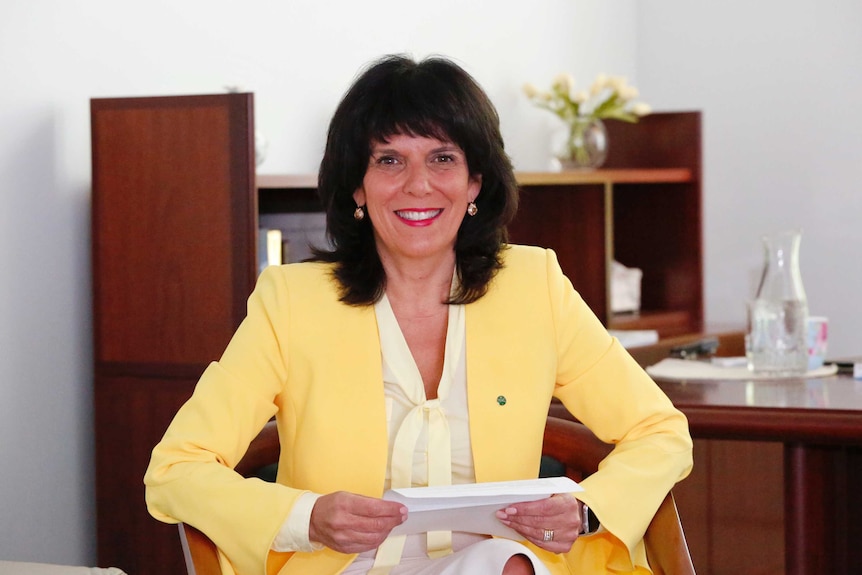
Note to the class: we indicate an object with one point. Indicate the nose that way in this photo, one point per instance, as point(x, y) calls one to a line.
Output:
point(417, 182)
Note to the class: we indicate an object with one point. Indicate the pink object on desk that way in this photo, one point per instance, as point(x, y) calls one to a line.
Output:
point(817, 339)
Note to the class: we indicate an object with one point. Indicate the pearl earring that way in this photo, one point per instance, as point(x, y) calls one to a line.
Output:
point(359, 213)
point(472, 210)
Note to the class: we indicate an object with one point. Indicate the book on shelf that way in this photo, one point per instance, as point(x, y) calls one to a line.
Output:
point(269, 248)
point(300, 230)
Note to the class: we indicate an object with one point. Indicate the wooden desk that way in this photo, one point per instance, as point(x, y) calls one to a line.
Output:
point(819, 422)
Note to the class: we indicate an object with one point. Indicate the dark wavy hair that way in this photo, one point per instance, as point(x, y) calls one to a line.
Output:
point(430, 98)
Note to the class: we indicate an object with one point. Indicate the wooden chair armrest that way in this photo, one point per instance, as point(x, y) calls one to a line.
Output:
point(199, 551)
point(667, 549)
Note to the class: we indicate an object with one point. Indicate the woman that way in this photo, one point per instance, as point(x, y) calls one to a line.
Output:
point(420, 350)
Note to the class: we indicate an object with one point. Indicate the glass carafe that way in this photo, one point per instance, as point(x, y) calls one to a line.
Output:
point(776, 342)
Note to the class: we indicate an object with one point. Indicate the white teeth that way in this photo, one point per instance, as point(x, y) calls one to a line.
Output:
point(417, 216)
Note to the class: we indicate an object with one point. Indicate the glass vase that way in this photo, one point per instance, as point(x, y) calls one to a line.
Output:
point(777, 340)
point(585, 146)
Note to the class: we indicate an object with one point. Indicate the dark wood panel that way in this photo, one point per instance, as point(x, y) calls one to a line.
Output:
point(853, 509)
point(657, 229)
point(131, 417)
point(659, 140)
point(823, 507)
point(570, 220)
point(174, 225)
point(747, 513)
point(692, 497)
point(174, 259)
point(731, 507)
point(150, 370)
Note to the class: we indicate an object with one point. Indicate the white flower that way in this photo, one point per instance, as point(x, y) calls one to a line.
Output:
point(600, 83)
point(609, 97)
point(530, 90)
point(617, 83)
point(640, 109)
point(563, 83)
point(628, 92)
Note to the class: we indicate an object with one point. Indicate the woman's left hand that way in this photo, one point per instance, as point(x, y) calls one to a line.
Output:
point(552, 524)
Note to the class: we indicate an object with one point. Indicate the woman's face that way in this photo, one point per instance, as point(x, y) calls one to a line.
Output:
point(416, 192)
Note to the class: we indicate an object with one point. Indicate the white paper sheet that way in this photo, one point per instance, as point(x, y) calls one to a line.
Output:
point(687, 370)
point(471, 507)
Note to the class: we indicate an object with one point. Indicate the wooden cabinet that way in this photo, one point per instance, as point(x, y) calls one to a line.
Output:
point(173, 239)
point(174, 228)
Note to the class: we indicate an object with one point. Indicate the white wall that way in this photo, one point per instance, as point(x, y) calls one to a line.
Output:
point(298, 57)
point(780, 86)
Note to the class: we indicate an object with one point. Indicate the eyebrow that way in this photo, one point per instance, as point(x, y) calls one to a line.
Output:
point(450, 147)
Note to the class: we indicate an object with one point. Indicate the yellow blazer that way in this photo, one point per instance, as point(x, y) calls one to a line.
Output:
point(314, 363)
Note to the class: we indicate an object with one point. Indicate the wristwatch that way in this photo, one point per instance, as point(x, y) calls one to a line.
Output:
point(589, 521)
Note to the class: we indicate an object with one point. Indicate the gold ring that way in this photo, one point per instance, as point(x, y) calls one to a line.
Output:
point(548, 535)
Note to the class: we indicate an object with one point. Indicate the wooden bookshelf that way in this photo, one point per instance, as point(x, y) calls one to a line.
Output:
point(642, 209)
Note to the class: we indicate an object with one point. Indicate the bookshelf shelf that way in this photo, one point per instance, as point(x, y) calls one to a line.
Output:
point(618, 176)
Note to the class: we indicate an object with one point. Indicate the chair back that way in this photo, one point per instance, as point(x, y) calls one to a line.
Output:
point(568, 442)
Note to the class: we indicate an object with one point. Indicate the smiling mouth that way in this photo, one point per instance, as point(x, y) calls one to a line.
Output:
point(418, 215)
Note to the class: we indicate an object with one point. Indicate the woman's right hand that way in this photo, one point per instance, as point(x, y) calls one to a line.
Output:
point(351, 523)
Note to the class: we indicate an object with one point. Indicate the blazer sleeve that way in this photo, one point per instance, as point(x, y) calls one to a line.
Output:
point(604, 388)
point(190, 476)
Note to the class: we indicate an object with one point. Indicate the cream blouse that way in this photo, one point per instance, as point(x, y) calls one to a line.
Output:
point(429, 440)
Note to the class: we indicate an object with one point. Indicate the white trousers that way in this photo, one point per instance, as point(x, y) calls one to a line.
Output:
point(473, 555)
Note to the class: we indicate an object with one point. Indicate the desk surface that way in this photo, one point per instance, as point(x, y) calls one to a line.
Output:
point(820, 410)
point(819, 422)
